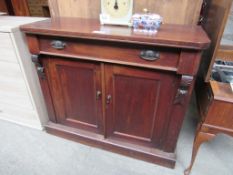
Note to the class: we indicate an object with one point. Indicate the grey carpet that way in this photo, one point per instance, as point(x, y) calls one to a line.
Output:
point(25, 151)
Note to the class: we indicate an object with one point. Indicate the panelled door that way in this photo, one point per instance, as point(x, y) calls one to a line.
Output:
point(76, 92)
point(138, 103)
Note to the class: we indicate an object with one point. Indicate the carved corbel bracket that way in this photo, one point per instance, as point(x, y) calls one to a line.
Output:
point(183, 89)
point(35, 59)
point(39, 66)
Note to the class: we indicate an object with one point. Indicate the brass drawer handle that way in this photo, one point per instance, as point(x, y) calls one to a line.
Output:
point(149, 55)
point(56, 44)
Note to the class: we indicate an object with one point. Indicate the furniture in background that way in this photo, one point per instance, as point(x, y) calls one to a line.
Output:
point(213, 22)
point(15, 7)
point(176, 12)
point(173, 12)
point(38, 8)
point(216, 108)
point(3, 7)
point(20, 8)
point(214, 99)
point(115, 89)
point(225, 52)
point(25, 7)
point(21, 99)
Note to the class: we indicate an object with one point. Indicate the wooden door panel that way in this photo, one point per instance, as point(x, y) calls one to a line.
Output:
point(75, 83)
point(74, 86)
point(140, 106)
point(130, 105)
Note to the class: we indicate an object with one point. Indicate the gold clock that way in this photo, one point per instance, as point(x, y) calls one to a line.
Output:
point(116, 12)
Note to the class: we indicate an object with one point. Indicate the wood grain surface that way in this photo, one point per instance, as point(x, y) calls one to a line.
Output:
point(175, 12)
point(138, 113)
point(214, 25)
point(20, 7)
point(225, 52)
point(172, 35)
point(3, 7)
point(123, 54)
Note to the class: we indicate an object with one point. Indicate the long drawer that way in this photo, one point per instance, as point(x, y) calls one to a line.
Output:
point(7, 52)
point(122, 53)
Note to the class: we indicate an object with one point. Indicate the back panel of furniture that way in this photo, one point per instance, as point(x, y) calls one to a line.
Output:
point(175, 12)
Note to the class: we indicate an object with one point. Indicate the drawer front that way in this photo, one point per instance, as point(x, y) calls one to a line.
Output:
point(6, 48)
point(121, 53)
point(220, 115)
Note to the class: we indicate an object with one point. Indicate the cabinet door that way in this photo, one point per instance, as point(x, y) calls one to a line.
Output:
point(76, 93)
point(138, 104)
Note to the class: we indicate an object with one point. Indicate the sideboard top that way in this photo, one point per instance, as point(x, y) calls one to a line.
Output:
point(181, 36)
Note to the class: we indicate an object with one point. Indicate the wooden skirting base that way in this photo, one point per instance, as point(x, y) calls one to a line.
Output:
point(139, 152)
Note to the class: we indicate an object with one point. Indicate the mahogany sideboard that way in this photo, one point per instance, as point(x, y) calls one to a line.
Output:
point(114, 88)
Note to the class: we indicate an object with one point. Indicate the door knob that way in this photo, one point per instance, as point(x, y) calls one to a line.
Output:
point(98, 95)
point(109, 97)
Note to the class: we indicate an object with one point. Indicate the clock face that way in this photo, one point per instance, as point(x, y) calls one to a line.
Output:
point(117, 8)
